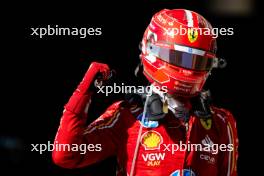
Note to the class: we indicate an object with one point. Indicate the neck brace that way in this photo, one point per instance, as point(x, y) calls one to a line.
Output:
point(178, 107)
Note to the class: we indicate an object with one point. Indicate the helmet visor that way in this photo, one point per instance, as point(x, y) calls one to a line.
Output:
point(188, 58)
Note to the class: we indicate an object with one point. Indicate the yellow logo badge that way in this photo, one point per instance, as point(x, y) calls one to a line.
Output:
point(206, 123)
point(151, 140)
point(192, 34)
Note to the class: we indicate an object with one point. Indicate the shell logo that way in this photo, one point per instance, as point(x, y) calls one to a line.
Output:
point(151, 140)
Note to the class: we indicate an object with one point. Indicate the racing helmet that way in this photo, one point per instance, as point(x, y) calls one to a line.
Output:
point(178, 51)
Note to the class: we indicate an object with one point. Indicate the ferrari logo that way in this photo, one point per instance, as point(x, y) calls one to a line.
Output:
point(206, 123)
point(192, 35)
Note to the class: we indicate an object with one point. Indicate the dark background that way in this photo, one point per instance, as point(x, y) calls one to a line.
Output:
point(41, 74)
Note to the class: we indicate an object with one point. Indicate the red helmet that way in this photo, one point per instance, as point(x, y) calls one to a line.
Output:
point(177, 52)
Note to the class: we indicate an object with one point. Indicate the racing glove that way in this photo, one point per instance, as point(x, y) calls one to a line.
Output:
point(80, 100)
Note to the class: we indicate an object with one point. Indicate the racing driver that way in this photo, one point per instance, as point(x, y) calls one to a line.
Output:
point(154, 134)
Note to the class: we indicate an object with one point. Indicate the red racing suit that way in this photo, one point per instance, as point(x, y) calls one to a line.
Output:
point(161, 149)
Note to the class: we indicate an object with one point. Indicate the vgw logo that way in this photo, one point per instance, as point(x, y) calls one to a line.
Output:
point(151, 140)
point(153, 159)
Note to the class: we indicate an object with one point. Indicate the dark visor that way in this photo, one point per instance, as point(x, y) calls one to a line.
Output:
point(182, 59)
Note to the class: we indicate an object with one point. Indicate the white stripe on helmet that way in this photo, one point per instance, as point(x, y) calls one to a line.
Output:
point(189, 18)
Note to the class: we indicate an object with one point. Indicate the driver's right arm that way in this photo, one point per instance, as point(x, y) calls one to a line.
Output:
point(96, 138)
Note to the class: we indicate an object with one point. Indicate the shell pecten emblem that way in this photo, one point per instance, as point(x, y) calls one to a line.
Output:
point(151, 140)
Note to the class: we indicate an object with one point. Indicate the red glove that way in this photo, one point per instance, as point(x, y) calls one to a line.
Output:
point(81, 97)
point(90, 76)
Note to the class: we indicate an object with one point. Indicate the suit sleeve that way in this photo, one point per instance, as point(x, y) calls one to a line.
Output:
point(87, 145)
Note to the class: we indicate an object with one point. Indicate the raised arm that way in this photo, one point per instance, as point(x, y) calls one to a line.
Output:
point(73, 131)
